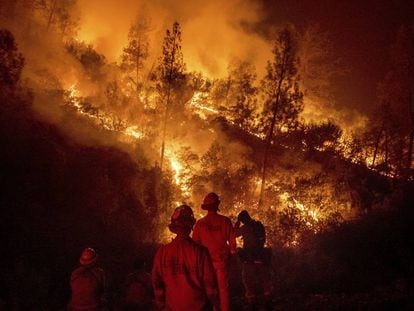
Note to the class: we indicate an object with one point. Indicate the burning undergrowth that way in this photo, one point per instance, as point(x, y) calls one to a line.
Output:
point(210, 134)
point(100, 152)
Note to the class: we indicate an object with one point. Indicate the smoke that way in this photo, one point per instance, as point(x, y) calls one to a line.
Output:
point(213, 32)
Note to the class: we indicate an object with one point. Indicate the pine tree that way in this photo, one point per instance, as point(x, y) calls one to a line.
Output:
point(136, 52)
point(242, 96)
point(396, 94)
point(283, 99)
point(170, 76)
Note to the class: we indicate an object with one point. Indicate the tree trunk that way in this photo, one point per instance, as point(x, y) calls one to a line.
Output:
point(266, 153)
point(164, 130)
point(269, 139)
point(167, 108)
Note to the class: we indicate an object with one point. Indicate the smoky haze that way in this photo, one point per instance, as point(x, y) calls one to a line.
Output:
point(216, 32)
point(213, 31)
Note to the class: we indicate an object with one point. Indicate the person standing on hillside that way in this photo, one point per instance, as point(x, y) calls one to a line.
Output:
point(255, 260)
point(183, 275)
point(216, 232)
point(87, 283)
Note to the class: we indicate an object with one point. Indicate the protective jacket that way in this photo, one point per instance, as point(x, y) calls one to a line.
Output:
point(216, 232)
point(255, 258)
point(253, 233)
point(183, 277)
point(88, 286)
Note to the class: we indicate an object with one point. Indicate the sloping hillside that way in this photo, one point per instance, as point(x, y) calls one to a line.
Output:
point(59, 196)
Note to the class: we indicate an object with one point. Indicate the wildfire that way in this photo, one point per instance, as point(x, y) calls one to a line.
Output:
point(197, 103)
point(310, 215)
point(74, 97)
point(133, 132)
point(104, 119)
point(180, 178)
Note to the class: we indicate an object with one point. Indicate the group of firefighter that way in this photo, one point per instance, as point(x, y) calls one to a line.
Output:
point(189, 273)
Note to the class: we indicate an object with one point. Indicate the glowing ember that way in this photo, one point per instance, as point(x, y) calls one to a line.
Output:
point(310, 215)
point(74, 96)
point(197, 103)
point(134, 132)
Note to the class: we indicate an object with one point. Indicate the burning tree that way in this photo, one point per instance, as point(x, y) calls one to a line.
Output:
point(283, 99)
point(242, 96)
point(171, 76)
point(136, 52)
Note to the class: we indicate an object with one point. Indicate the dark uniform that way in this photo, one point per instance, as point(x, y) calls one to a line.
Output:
point(87, 284)
point(255, 259)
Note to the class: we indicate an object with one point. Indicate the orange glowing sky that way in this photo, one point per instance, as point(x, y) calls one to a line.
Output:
point(216, 31)
point(211, 30)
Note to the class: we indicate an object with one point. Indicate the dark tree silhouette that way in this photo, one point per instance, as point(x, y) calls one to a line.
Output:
point(242, 98)
point(394, 123)
point(11, 61)
point(171, 75)
point(283, 99)
point(136, 52)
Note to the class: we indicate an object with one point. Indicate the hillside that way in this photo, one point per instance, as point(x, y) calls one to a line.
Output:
point(59, 196)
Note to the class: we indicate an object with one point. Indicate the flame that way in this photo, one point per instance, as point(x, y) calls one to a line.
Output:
point(133, 132)
point(311, 215)
point(180, 178)
point(196, 102)
point(105, 120)
point(74, 96)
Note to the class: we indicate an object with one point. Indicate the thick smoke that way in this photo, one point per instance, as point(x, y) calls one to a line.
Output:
point(213, 31)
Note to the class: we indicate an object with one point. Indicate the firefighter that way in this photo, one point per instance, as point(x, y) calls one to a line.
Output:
point(87, 283)
point(255, 259)
point(182, 274)
point(216, 232)
point(139, 293)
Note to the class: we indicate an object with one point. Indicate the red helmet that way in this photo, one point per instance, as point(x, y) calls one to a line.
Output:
point(211, 202)
point(88, 256)
point(182, 219)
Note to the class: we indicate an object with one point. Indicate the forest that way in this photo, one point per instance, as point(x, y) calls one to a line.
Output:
point(98, 151)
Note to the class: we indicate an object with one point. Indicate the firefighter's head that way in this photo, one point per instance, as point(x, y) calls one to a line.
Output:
point(88, 257)
point(182, 220)
point(211, 202)
point(244, 217)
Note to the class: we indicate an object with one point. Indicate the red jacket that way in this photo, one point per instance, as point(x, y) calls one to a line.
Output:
point(216, 232)
point(88, 286)
point(183, 277)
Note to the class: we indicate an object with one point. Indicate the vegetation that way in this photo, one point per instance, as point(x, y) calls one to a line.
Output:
point(88, 172)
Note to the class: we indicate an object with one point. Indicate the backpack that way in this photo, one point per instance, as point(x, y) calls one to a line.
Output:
point(259, 233)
